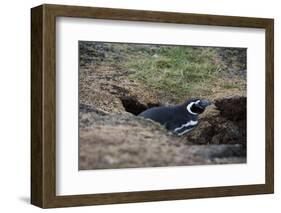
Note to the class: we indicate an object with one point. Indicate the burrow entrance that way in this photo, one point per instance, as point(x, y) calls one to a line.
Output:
point(132, 105)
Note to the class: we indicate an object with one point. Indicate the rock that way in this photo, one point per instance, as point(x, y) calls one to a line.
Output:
point(222, 151)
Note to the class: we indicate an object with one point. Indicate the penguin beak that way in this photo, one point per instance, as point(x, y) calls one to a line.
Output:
point(203, 103)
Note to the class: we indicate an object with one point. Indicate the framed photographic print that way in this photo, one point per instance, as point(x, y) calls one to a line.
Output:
point(136, 106)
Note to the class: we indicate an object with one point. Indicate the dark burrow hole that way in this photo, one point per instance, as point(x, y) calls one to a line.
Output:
point(132, 105)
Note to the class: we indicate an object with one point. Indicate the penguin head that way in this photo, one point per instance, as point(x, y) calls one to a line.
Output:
point(196, 106)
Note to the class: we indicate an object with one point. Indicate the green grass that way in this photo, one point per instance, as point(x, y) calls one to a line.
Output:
point(176, 70)
point(231, 86)
point(172, 73)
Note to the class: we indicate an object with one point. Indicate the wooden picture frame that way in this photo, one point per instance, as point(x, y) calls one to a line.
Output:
point(43, 105)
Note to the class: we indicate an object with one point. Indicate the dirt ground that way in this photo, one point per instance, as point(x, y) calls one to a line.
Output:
point(111, 136)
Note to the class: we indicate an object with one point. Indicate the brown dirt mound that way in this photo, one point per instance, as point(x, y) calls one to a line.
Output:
point(224, 123)
point(106, 88)
point(122, 140)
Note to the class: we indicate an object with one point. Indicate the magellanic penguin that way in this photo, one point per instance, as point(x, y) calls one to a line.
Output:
point(178, 119)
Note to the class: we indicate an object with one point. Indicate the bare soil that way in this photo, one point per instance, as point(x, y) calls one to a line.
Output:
point(111, 136)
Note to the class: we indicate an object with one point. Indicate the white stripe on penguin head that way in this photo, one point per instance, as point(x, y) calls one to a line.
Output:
point(189, 107)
